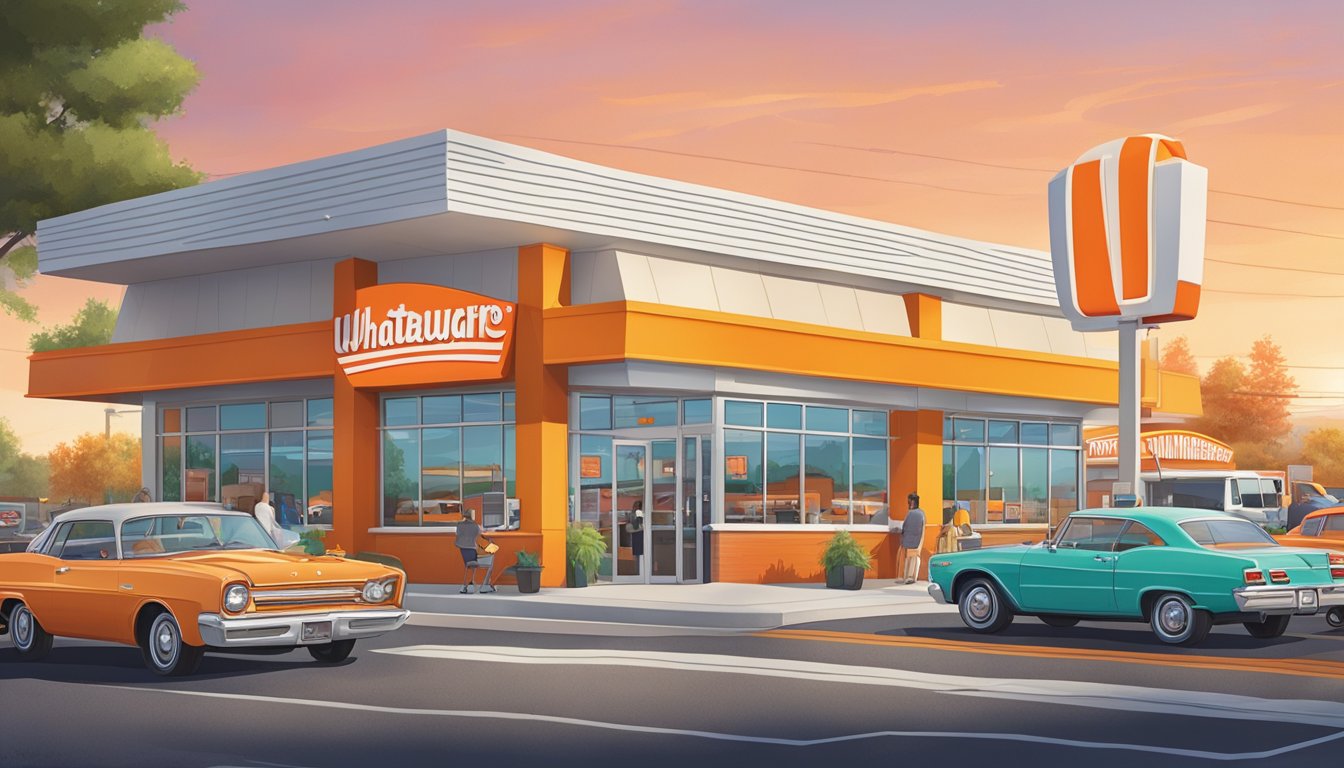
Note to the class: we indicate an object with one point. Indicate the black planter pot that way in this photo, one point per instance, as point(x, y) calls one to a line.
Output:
point(577, 576)
point(844, 577)
point(529, 580)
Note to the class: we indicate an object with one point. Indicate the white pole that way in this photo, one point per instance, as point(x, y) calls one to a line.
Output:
point(1130, 387)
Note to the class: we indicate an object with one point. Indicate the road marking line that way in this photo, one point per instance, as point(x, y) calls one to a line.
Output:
point(1329, 670)
point(743, 738)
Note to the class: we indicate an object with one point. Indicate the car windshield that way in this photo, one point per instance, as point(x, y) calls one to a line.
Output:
point(168, 534)
point(1227, 534)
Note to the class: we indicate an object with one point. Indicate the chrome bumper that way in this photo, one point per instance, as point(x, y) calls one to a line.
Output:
point(936, 592)
point(1278, 599)
point(288, 629)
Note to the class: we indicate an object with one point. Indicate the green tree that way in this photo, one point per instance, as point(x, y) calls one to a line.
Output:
point(79, 87)
point(20, 473)
point(1323, 448)
point(92, 325)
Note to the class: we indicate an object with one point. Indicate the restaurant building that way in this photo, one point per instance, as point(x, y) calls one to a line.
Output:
point(387, 337)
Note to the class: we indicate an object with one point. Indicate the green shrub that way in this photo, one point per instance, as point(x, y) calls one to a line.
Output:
point(312, 541)
point(844, 550)
point(528, 559)
point(584, 547)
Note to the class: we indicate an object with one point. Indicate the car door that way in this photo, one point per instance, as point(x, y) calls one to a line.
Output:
point(1140, 555)
point(1075, 573)
point(84, 592)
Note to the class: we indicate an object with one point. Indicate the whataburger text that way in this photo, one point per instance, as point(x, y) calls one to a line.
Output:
point(470, 333)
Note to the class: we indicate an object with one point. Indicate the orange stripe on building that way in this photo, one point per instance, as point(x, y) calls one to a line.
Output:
point(1091, 255)
point(1135, 185)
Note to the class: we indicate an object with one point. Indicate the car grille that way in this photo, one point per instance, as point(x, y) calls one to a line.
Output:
point(304, 596)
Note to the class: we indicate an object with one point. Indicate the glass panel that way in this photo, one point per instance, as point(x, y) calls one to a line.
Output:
point(1063, 484)
point(445, 409)
point(285, 464)
point(1137, 535)
point(697, 411)
point(320, 449)
point(594, 413)
point(1005, 493)
point(643, 412)
point(870, 423)
point(707, 481)
point(782, 479)
point(287, 414)
point(170, 419)
point(508, 406)
point(510, 464)
point(483, 471)
point(320, 413)
point(1035, 485)
point(1003, 431)
point(742, 454)
point(1064, 434)
point(595, 492)
point(970, 481)
point(663, 541)
point(483, 406)
point(242, 416)
point(949, 433)
point(200, 480)
point(970, 430)
point(401, 477)
point(242, 460)
point(201, 419)
point(629, 466)
point(441, 476)
point(89, 540)
point(826, 484)
point(170, 466)
point(827, 419)
point(870, 478)
point(742, 413)
point(401, 411)
point(784, 416)
point(690, 508)
point(949, 475)
point(1035, 433)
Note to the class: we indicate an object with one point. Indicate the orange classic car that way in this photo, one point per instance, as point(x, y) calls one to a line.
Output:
point(1322, 529)
point(177, 580)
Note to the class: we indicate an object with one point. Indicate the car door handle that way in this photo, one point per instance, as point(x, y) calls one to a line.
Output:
point(62, 569)
point(1101, 559)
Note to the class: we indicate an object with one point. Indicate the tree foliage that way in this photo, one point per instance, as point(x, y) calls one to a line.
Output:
point(20, 473)
point(1244, 405)
point(1323, 448)
point(79, 86)
point(92, 325)
point(94, 468)
point(1176, 357)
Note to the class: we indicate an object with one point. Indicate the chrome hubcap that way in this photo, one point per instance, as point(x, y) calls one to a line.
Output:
point(1173, 617)
point(163, 642)
point(979, 605)
point(23, 627)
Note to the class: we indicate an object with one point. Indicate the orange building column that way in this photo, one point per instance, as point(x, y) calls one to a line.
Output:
point(542, 408)
point(917, 465)
point(355, 461)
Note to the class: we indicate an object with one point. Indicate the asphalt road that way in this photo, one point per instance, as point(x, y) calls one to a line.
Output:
point(913, 688)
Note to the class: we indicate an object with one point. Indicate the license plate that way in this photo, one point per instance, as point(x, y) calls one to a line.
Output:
point(316, 630)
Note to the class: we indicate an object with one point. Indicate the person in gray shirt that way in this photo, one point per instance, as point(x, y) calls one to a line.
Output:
point(468, 532)
point(912, 537)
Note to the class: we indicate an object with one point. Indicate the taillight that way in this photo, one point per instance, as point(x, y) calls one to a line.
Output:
point(1254, 577)
point(1336, 565)
point(1278, 577)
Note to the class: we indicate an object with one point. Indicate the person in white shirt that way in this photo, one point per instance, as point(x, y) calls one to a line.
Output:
point(265, 515)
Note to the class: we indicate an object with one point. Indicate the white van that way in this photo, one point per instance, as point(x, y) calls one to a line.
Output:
point(1240, 492)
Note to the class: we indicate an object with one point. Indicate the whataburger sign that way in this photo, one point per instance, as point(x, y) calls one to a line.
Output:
point(1167, 445)
point(403, 334)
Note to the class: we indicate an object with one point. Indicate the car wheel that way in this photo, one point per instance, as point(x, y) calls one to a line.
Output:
point(332, 653)
point(31, 641)
point(1271, 627)
point(1335, 618)
point(164, 651)
point(1060, 622)
point(982, 608)
point(1176, 621)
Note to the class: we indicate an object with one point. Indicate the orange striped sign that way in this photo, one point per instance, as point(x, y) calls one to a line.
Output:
point(1127, 233)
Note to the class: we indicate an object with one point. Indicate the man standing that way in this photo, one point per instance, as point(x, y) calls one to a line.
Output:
point(912, 537)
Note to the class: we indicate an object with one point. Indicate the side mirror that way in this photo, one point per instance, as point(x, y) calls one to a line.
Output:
point(1050, 545)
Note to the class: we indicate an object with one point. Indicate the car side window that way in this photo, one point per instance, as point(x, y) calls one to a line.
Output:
point(1333, 522)
point(1091, 533)
point(1314, 526)
point(58, 540)
point(1137, 535)
point(89, 540)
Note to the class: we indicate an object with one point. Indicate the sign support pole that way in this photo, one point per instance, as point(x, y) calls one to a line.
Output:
point(1128, 417)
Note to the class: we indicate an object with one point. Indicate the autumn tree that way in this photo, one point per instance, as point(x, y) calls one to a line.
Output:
point(96, 468)
point(1323, 449)
point(1248, 406)
point(79, 87)
point(1176, 357)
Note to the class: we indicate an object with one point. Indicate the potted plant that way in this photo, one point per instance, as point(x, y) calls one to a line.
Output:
point(584, 548)
point(844, 562)
point(311, 541)
point(528, 572)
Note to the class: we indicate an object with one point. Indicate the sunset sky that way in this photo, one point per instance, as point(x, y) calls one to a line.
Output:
point(957, 113)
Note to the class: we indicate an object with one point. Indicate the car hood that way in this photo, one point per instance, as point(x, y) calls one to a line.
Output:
point(265, 568)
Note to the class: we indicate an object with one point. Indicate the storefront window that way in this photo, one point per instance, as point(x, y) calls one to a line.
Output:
point(1004, 502)
point(483, 406)
point(442, 410)
point(401, 487)
point(595, 503)
point(1035, 485)
point(697, 411)
point(742, 492)
point(286, 471)
point(992, 466)
point(870, 423)
point(200, 479)
point(1003, 432)
point(643, 412)
point(321, 413)
point(242, 416)
point(969, 430)
point(201, 419)
point(170, 463)
point(440, 475)
point(594, 413)
point(784, 416)
point(783, 483)
point(970, 481)
point(870, 477)
point(319, 455)
point(827, 482)
point(820, 419)
point(1063, 484)
point(241, 459)
point(287, 415)
point(1035, 433)
point(743, 414)
point(401, 411)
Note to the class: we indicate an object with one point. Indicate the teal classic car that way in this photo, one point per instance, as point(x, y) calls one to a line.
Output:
point(1180, 570)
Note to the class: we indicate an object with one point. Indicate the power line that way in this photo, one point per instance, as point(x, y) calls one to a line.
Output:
point(1276, 229)
point(1280, 295)
point(1271, 266)
point(1285, 365)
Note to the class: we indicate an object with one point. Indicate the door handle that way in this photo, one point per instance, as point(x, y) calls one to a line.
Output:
point(62, 569)
point(1101, 559)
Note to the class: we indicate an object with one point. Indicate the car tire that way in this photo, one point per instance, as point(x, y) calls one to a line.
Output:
point(1335, 617)
point(982, 608)
point(31, 641)
point(1059, 622)
point(332, 653)
point(1176, 621)
point(1270, 628)
point(165, 652)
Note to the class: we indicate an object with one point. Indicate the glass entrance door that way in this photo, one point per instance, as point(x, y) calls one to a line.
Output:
point(630, 495)
point(658, 509)
point(692, 493)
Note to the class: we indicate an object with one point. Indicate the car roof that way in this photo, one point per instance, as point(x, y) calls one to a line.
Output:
point(118, 513)
point(1166, 514)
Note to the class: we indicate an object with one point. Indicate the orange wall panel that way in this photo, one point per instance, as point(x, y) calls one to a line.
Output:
point(433, 558)
point(780, 557)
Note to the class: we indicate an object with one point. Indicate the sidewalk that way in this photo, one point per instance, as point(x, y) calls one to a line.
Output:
point(654, 608)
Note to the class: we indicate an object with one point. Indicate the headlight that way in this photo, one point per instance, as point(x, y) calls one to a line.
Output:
point(379, 591)
point(235, 598)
